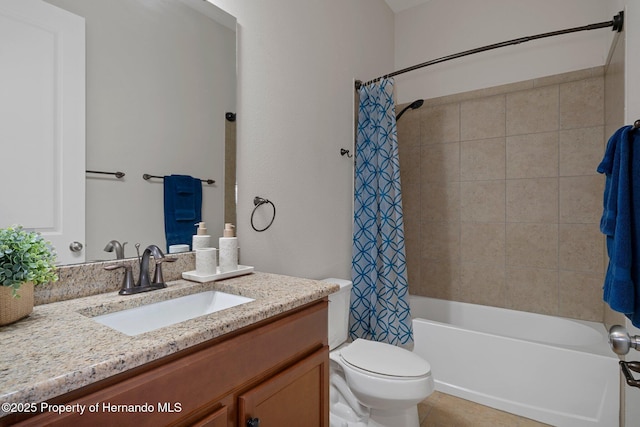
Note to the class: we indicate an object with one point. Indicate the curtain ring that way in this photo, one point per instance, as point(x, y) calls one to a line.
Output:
point(259, 201)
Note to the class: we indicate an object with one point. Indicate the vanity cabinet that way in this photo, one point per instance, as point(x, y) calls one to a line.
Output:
point(291, 398)
point(275, 371)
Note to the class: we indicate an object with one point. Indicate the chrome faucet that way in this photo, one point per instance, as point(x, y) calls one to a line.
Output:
point(144, 282)
point(115, 245)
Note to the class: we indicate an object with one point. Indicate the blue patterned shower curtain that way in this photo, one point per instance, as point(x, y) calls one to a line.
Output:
point(379, 297)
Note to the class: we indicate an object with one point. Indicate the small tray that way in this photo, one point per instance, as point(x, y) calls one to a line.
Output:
point(193, 275)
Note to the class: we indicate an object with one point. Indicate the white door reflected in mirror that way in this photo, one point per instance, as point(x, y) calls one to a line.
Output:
point(42, 81)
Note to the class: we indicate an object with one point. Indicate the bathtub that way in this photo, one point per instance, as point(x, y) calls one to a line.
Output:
point(554, 370)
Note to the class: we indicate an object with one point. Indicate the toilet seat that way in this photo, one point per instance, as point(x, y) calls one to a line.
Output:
point(384, 359)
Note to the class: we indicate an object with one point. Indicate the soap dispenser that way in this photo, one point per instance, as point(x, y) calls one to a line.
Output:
point(201, 239)
point(228, 249)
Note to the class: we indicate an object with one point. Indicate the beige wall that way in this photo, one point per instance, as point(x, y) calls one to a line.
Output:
point(502, 201)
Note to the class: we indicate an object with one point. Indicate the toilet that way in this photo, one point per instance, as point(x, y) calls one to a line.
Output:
point(372, 384)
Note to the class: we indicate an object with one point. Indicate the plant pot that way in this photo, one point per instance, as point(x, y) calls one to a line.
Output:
point(13, 309)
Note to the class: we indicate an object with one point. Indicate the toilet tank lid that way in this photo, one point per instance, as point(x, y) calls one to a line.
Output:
point(385, 359)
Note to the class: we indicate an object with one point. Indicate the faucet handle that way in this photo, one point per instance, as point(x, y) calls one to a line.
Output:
point(157, 274)
point(127, 282)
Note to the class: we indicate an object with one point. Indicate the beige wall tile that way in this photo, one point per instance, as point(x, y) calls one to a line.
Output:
point(441, 240)
point(582, 102)
point(581, 247)
point(482, 159)
point(532, 245)
point(440, 124)
point(581, 198)
point(411, 221)
point(532, 289)
point(409, 129)
point(532, 200)
point(533, 155)
point(483, 283)
point(482, 118)
point(413, 245)
point(440, 202)
point(581, 295)
point(581, 150)
point(440, 162)
point(410, 180)
point(409, 157)
point(482, 242)
point(482, 201)
point(502, 205)
point(411, 226)
point(532, 111)
point(440, 279)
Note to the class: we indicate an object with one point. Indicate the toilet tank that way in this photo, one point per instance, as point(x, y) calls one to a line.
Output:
point(339, 312)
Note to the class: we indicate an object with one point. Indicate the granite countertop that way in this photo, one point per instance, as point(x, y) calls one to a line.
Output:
point(58, 348)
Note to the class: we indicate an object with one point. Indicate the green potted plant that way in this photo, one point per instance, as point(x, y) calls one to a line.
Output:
point(26, 259)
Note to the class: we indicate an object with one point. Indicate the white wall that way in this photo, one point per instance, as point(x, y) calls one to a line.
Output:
point(443, 27)
point(296, 66)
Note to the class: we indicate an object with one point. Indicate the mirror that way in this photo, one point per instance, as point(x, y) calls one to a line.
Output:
point(160, 78)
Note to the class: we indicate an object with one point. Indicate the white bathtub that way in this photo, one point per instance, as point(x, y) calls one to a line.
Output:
point(554, 370)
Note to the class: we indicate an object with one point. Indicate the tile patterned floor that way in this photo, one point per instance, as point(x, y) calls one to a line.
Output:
point(443, 410)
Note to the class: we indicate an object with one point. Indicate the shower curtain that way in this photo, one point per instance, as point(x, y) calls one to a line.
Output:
point(379, 297)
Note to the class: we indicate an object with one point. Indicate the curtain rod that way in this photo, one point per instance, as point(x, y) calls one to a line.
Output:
point(616, 23)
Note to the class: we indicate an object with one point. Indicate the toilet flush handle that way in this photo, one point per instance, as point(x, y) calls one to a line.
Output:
point(620, 340)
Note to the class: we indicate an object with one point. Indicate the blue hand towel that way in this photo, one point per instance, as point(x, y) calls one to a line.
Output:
point(620, 222)
point(182, 208)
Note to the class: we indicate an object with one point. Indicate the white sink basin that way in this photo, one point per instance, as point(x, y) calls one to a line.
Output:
point(149, 317)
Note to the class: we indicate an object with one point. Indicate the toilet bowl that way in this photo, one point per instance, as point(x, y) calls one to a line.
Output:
point(372, 384)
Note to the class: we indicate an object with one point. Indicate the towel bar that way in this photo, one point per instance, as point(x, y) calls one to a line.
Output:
point(117, 174)
point(146, 176)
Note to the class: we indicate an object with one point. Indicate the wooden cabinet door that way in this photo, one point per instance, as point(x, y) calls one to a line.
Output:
point(216, 419)
point(296, 397)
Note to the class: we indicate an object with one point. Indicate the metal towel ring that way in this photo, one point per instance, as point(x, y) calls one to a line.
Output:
point(259, 201)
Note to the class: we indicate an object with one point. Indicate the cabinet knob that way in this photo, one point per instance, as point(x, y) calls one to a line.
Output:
point(253, 422)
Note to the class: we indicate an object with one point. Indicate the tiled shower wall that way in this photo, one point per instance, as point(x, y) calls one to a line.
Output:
point(501, 197)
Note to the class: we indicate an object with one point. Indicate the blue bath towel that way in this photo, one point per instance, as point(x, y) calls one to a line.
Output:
point(621, 222)
point(182, 208)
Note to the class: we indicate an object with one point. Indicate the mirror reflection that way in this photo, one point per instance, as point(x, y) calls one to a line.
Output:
point(160, 77)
